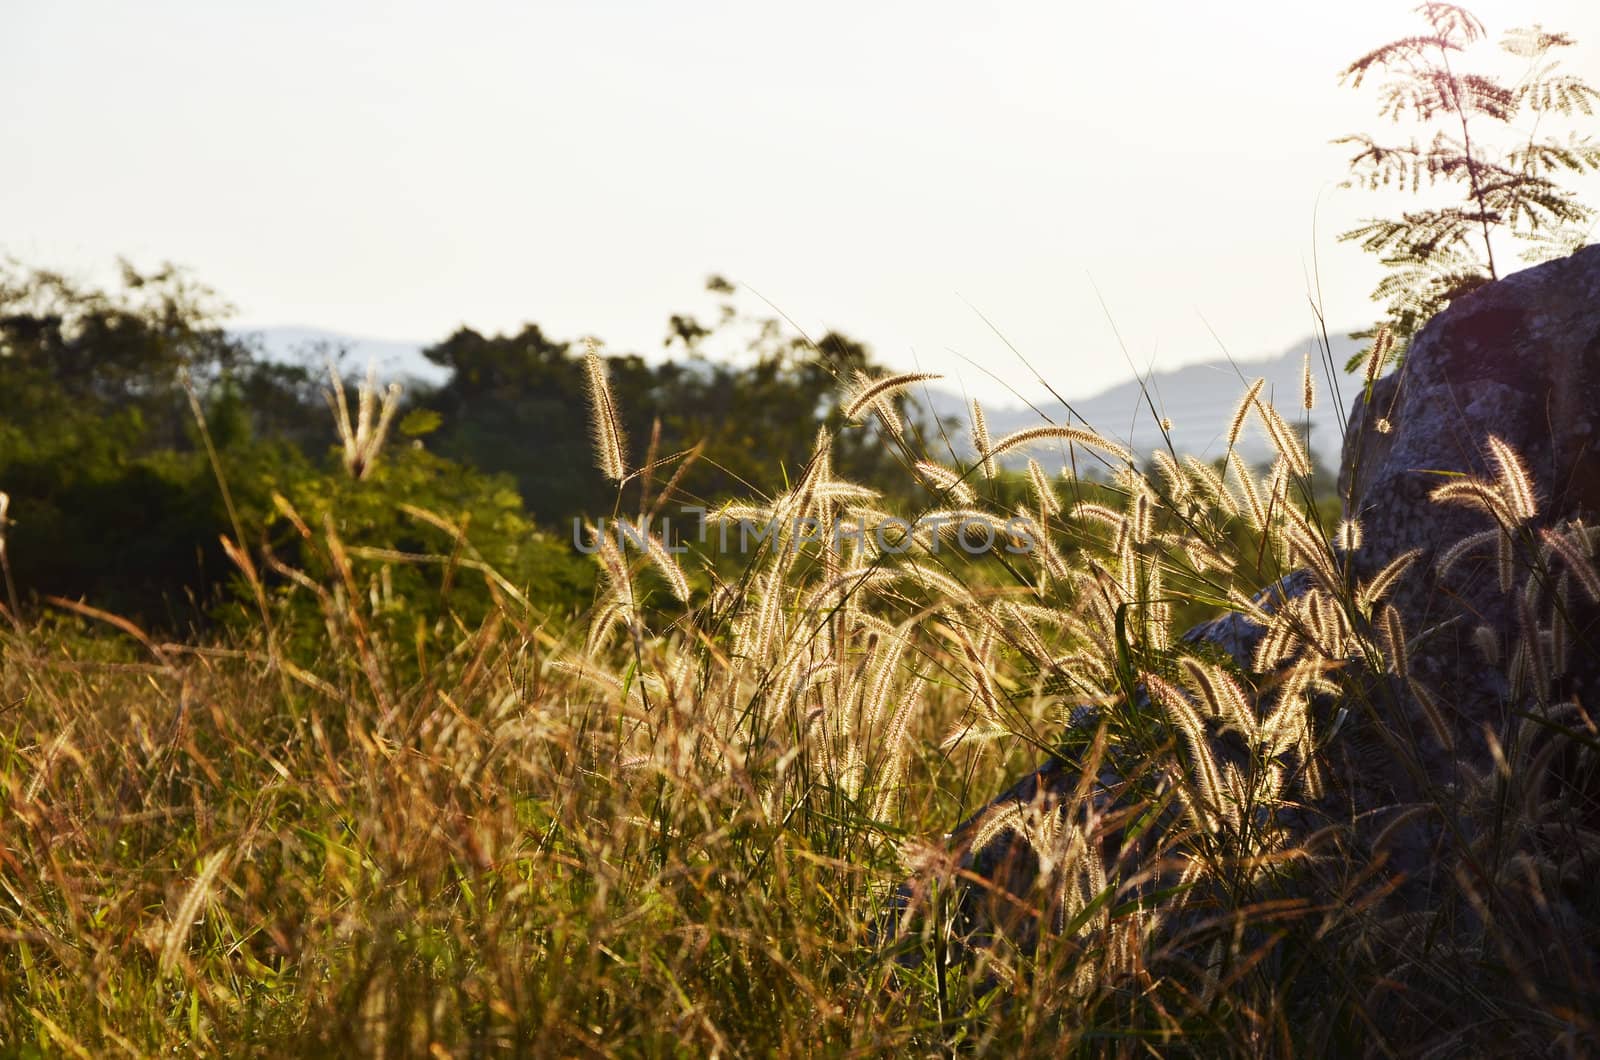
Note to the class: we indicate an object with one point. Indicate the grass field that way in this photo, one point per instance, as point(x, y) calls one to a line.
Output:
point(681, 825)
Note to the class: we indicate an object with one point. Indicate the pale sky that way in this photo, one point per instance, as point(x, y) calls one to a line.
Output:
point(394, 170)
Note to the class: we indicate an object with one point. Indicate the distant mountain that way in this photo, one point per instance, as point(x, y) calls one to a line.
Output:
point(395, 359)
point(1198, 399)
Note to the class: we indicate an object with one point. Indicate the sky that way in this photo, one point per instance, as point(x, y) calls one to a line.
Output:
point(1102, 187)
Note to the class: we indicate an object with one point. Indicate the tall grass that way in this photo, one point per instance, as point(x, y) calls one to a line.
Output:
point(711, 819)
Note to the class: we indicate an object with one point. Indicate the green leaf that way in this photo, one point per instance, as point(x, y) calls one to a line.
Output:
point(419, 422)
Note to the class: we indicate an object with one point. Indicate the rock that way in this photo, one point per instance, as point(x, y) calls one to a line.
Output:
point(1519, 361)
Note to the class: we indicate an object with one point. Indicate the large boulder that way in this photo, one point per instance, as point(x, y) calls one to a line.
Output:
point(1519, 361)
point(1515, 362)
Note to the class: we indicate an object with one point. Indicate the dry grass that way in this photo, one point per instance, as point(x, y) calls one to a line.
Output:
point(683, 829)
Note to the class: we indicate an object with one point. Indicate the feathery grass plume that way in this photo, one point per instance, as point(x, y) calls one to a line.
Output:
point(1284, 439)
point(610, 443)
point(1234, 705)
point(1208, 482)
point(880, 406)
point(1221, 693)
point(848, 582)
point(1200, 556)
point(662, 559)
point(893, 742)
point(1098, 513)
point(1100, 595)
point(953, 522)
point(1141, 514)
point(881, 681)
point(1458, 551)
point(1236, 423)
point(60, 742)
point(1043, 495)
point(613, 568)
point(1127, 562)
point(1042, 615)
point(1475, 493)
point(1348, 536)
point(980, 440)
point(607, 616)
point(997, 822)
point(1533, 638)
point(5, 559)
point(1394, 641)
point(1515, 484)
point(1157, 611)
point(1012, 625)
point(976, 660)
point(843, 492)
point(1308, 390)
point(751, 643)
point(1041, 545)
point(1253, 508)
point(733, 513)
point(1505, 554)
point(361, 443)
point(1382, 343)
point(955, 596)
point(1278, 486)
point(1252, 609)
point(1433, 711)
point(188, 911)
point(1570, 546)
point(1333, 625)
point(800, 677)
point(877, 392)
point(942, 480)
point(1076, 435)
point(1177, 484)
point(1382, 583)
point(822, 457)
point(1561, 626)
point(1186, 720)
point(1288, 723)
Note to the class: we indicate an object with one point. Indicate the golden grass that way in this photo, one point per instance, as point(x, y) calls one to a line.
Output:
point(423, 837)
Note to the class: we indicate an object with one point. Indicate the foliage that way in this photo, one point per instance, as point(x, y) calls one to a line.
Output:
point(515, 404)
point(1508, 187)
point(115, 497)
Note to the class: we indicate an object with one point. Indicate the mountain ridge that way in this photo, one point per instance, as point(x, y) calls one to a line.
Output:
point(1197, 398)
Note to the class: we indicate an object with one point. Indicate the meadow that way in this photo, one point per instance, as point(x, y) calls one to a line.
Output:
point(710, 817)
point(324, 735)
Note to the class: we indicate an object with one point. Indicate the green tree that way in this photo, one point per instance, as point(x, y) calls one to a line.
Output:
point(515, 404)
point(1507, 175)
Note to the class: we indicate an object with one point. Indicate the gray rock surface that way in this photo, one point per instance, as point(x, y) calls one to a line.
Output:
point(1518, 360)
